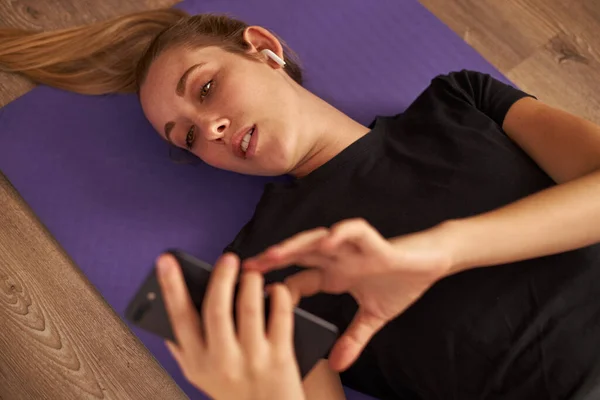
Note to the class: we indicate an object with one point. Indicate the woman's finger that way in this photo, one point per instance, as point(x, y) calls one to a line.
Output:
point(175, 352)
point(300, 242)
point(250, 311)
point(281, 318)
point(282, 254)
point(304, 284)
point(313, 260)
point(310, 260)
point(183, 316)
point(217, 306)
point(353, 341)
point(355, 231)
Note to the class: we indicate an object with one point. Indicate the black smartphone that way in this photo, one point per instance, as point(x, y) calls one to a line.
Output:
point(313, 336)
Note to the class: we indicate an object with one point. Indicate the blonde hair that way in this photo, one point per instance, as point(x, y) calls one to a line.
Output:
point(114, 56)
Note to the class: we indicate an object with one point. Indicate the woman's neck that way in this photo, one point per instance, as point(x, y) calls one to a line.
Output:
point(331, 131)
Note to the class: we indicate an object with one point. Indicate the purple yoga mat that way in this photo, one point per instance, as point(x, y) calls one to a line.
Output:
point(101, 179)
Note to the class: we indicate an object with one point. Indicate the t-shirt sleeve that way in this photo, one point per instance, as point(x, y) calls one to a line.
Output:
point(484, 92)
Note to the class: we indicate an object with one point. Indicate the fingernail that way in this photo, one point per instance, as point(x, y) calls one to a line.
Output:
point(232, 258)
point(163, 267)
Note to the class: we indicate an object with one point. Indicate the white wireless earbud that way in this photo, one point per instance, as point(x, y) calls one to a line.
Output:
point(273, 57)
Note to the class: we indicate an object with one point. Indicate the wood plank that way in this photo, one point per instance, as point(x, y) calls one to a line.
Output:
point(593, 8)
point(60, 340)
point(12, 87)
point(572, 16)
point(549, 48)
point(504, 32)
point(565, 73)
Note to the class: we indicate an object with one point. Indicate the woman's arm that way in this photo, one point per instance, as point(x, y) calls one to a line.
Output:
point(555, 220)
point(562, 218)
point(564, 145)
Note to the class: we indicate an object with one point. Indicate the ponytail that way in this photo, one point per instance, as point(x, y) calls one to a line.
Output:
point(114, 56)
point(93, 59)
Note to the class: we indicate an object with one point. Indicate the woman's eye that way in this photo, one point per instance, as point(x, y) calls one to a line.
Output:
point(206, 89)
point(190, 137)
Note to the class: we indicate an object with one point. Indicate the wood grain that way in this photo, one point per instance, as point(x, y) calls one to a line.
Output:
point(565, 73)
point(504, 32)
point(550, 48)
point(59, 339)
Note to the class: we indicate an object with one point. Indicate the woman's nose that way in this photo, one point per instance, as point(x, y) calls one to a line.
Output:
point(215, 129)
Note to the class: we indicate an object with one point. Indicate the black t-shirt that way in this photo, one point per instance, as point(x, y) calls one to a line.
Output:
point(525, 330)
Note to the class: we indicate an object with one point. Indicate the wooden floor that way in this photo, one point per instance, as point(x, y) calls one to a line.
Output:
point(60, 340)
point(550, 48)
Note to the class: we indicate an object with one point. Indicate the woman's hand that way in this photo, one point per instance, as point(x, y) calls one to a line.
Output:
point(225, 364)
point(385, 277)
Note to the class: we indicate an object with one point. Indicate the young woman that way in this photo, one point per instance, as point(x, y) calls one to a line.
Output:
point(397, 221)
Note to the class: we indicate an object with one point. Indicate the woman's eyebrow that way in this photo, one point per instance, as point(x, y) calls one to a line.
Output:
point(180, 89)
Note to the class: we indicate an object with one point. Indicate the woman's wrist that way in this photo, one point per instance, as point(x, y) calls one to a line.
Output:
point(434, 249)
point(461, 245)
point(447, 236)
point(449, 245)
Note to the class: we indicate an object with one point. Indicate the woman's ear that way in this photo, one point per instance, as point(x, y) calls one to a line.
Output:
point(260, 39)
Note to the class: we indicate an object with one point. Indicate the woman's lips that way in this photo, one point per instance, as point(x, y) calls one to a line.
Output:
point(251, 151)
point(236, 142)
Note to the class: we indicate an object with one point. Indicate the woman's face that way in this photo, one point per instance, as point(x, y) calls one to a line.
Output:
point(232, 112)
